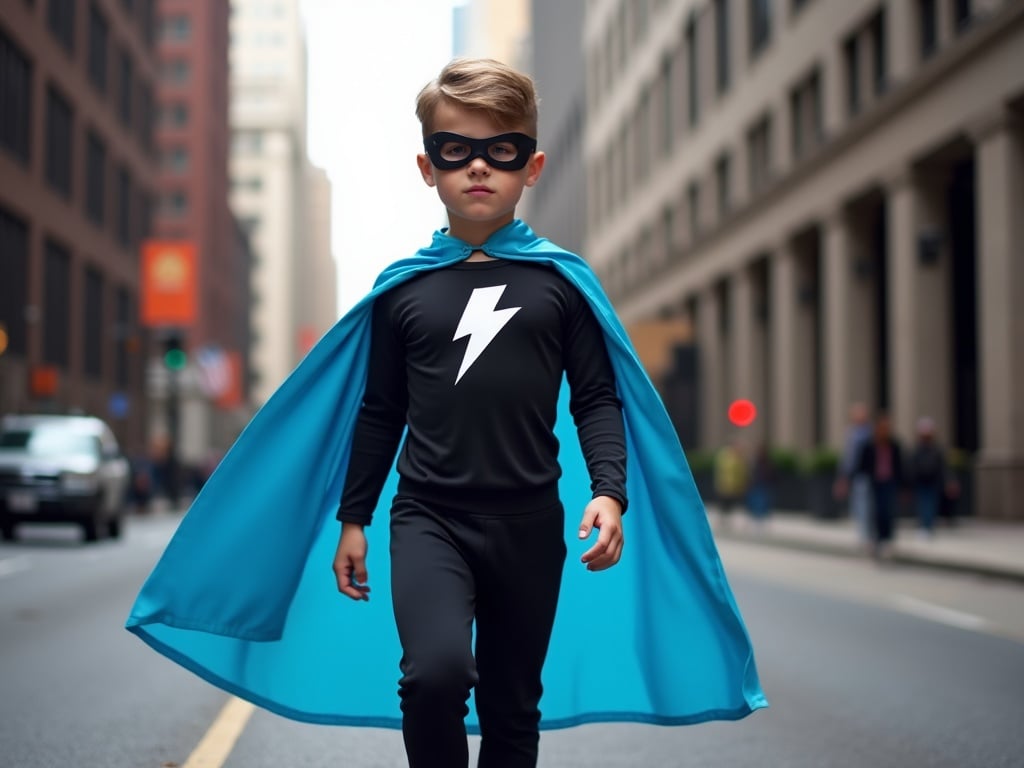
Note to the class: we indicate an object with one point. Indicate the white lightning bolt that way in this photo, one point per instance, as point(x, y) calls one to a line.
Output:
point(481, 322)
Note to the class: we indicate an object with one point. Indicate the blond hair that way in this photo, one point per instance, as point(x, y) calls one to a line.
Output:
point(506, 96)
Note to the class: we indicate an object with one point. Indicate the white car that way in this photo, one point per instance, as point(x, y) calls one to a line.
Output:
point(59, 469)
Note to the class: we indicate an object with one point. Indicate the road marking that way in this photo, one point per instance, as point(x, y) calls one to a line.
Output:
point(213, 750)
point(940, 614)
point(13, 565)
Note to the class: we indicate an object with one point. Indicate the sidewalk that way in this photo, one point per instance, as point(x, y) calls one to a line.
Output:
point(984, 547)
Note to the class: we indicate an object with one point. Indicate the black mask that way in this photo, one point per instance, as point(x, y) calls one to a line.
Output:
point(505, 152)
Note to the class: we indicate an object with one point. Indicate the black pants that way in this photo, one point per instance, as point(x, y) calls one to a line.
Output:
point(449, 568)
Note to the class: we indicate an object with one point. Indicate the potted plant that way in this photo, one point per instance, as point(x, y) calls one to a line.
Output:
point(788, 493)
point(819, 473)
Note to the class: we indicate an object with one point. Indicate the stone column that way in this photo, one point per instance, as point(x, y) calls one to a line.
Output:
point(1000, 228)
point(783, 292)
point(837, 274)
point(933, 300)
point(709, 339)
point(901, 43)
point(902, 305)
point(746, 362)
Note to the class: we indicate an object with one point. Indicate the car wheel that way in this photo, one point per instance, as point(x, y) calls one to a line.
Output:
point(7, 531)
point(92, 529)
point(114, 526)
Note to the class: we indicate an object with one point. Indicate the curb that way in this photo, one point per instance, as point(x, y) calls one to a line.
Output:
point(933, 562)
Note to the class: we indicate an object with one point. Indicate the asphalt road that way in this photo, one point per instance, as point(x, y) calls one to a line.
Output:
point(864, 666)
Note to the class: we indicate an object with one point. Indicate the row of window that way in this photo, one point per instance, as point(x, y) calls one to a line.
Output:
point(107, 317)
point(651, 130)
point(61, 20)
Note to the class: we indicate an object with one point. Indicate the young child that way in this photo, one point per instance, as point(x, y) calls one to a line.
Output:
point(470, 358)
point(499, 357)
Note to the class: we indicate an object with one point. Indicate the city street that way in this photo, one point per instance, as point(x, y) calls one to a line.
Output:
point(864, 665)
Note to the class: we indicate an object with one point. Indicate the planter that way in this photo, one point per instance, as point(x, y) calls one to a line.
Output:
point(820, 500)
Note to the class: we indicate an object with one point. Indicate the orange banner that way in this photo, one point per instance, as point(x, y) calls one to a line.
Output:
point(168, 283)
point(232, 396)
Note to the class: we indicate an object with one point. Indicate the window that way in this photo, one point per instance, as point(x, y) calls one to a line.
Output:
point(124, 207)
point(879, 57)
point(667, 106)
point(722, 72)
point(851, 57)
point(60, 18)
point(146, 21)
point(693, 79)
point(127, 85)
point(99, 34)
point(145, 122)
point(124, 313)
point(57, 304)
point(961, 14)
point(144, 211)
point(14, 286)
point(723, 184)
point(759, 147)
point(93, 323)
point(928, 15)
point(806, 115)
point(173, 115)
point(173, 204)
point(693, 209)
point(760, 20)
point(95, 179)
point(58, 142)
point(175, 160)
point(15, 99)
point(176, 28)
point(176, 72)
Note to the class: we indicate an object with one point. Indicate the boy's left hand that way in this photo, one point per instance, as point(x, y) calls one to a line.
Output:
point(605, 514)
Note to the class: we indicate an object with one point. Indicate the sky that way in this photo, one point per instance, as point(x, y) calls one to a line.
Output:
point(367, 62)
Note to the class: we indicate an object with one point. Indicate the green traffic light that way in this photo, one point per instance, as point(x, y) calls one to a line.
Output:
point(175, 359)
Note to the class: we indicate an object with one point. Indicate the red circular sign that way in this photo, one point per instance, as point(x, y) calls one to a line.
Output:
point(742, 413)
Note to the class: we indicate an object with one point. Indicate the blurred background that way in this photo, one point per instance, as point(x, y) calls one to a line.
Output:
point(794, 204)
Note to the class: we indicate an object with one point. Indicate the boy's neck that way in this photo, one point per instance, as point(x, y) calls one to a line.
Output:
point(476, 233)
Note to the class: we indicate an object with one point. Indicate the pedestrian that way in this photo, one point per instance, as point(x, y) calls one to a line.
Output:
point(730, 479)
point(493, 365)
point(929, 476)
point(850, 483)
point(881, 460)
point(759, 492)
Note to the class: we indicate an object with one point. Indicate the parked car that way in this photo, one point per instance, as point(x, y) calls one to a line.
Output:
point(60, 469)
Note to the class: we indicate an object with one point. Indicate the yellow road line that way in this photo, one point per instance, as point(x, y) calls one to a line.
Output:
point(213, 750)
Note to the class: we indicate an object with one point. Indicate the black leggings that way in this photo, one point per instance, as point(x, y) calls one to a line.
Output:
point(447, 569)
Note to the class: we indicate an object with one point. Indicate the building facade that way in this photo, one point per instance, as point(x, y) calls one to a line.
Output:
point(555, 207)
point(268, 171)
point(77, 182)
point(828, 193)
point(192, 140)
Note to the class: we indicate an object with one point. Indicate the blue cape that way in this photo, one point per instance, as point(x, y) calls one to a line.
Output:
point(245, 596)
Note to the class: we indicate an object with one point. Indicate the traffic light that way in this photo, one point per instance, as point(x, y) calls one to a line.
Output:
point(175, 358)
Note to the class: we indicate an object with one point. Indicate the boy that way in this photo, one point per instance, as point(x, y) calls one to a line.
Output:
point(469, 338)
point(470, 358)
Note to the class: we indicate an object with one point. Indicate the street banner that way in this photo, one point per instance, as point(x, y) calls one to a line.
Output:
point(168, 283)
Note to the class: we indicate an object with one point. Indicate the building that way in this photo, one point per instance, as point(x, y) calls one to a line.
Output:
point(555, 207)
point(318, 307)
point(77, 179)
point(829, 192)
point(496, 29)
point(192, 140)
point(268, 170)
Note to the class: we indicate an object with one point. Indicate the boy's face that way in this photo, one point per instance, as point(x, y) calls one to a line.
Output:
point(480, 198)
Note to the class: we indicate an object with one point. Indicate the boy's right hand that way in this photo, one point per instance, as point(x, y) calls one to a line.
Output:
point(350, 562)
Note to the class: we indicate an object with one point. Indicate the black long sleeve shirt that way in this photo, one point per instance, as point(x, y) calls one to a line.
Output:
point(470, 359)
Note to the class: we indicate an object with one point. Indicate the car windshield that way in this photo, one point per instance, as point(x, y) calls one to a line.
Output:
point(49, 441)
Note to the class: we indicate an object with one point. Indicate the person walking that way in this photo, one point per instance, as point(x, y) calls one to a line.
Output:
point(881, 460)
point(852, 484)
